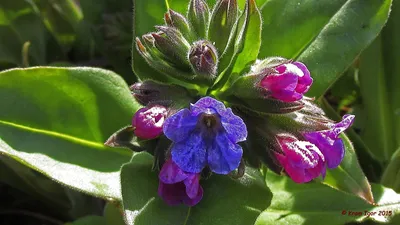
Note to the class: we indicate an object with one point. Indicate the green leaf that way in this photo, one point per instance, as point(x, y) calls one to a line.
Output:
point(114, 214)
point(349, 176)
point(326, 35)
point(391, 176)
point(315, 203)
point(391, 46)
point(225, 201)
point(246, 44)
point(55, 121)
point(248, 41)
point(378, 125)
point(369, 164)
point(90, 220)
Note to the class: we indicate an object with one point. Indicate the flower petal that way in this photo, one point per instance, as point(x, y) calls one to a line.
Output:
point(172, 194)
point(347, 121)
point(332, 149)
point(193, 201)
point(179, 126)
point(287, 95)
point(207, 105)
point(223, 155)
point(190, 154)
point(192, 185)
point(170, 173)
point(296, 174)
point(279, 82)
point(305, 81)
point(234, 126)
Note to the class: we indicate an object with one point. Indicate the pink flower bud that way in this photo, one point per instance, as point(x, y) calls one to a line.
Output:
point(302, 160)
point(288, 83)
point(148, 122)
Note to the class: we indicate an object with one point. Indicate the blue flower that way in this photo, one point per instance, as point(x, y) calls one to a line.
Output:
point(206, 135)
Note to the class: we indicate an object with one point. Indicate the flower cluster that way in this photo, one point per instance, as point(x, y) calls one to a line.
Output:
point(267, 115)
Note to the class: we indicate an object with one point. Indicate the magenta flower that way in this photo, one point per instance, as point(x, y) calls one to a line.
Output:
point(329, 143)
point(289, 83)
point(148, 122)
point(176, 186)
point(301, 160)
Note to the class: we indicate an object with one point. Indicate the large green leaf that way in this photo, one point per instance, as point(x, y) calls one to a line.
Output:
point(377, 132)
point(369, 164)
point(225, 201)
point(391, 47)
point(326, 35)
point(90, 220)
point(315, 203)
point(349, 176)
point(391, 175)
point(55, 120)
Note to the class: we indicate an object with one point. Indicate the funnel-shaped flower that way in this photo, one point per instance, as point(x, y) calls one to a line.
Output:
point(148, 122)
point(302, 160)
point(177, 186)
point(329, 143)
point(206, 134)
point(288, 83)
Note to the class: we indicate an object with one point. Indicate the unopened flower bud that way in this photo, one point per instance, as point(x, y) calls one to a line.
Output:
point(287, 82)
point(145, 92)
point(178, 21)
point(172, 44)
point(203, 58)
point(222, 21)
point(148, 122)
point(199, 16)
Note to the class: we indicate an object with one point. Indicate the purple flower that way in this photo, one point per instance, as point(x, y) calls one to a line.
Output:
point(176, 186)
point(148, 122)
point(289, 83)
point(329, 143)
point(206, 134)
point(301, 160)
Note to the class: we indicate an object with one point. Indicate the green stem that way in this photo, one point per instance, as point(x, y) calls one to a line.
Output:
point(187, 216)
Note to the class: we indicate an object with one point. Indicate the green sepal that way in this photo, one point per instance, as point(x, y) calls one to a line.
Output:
point(152, 57)
point(246, 92)
point(126, 138)
point(173, 45)
point(178, 21)
point(151, 92)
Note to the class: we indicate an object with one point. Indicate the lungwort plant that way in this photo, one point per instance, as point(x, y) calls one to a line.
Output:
point(225, 122)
